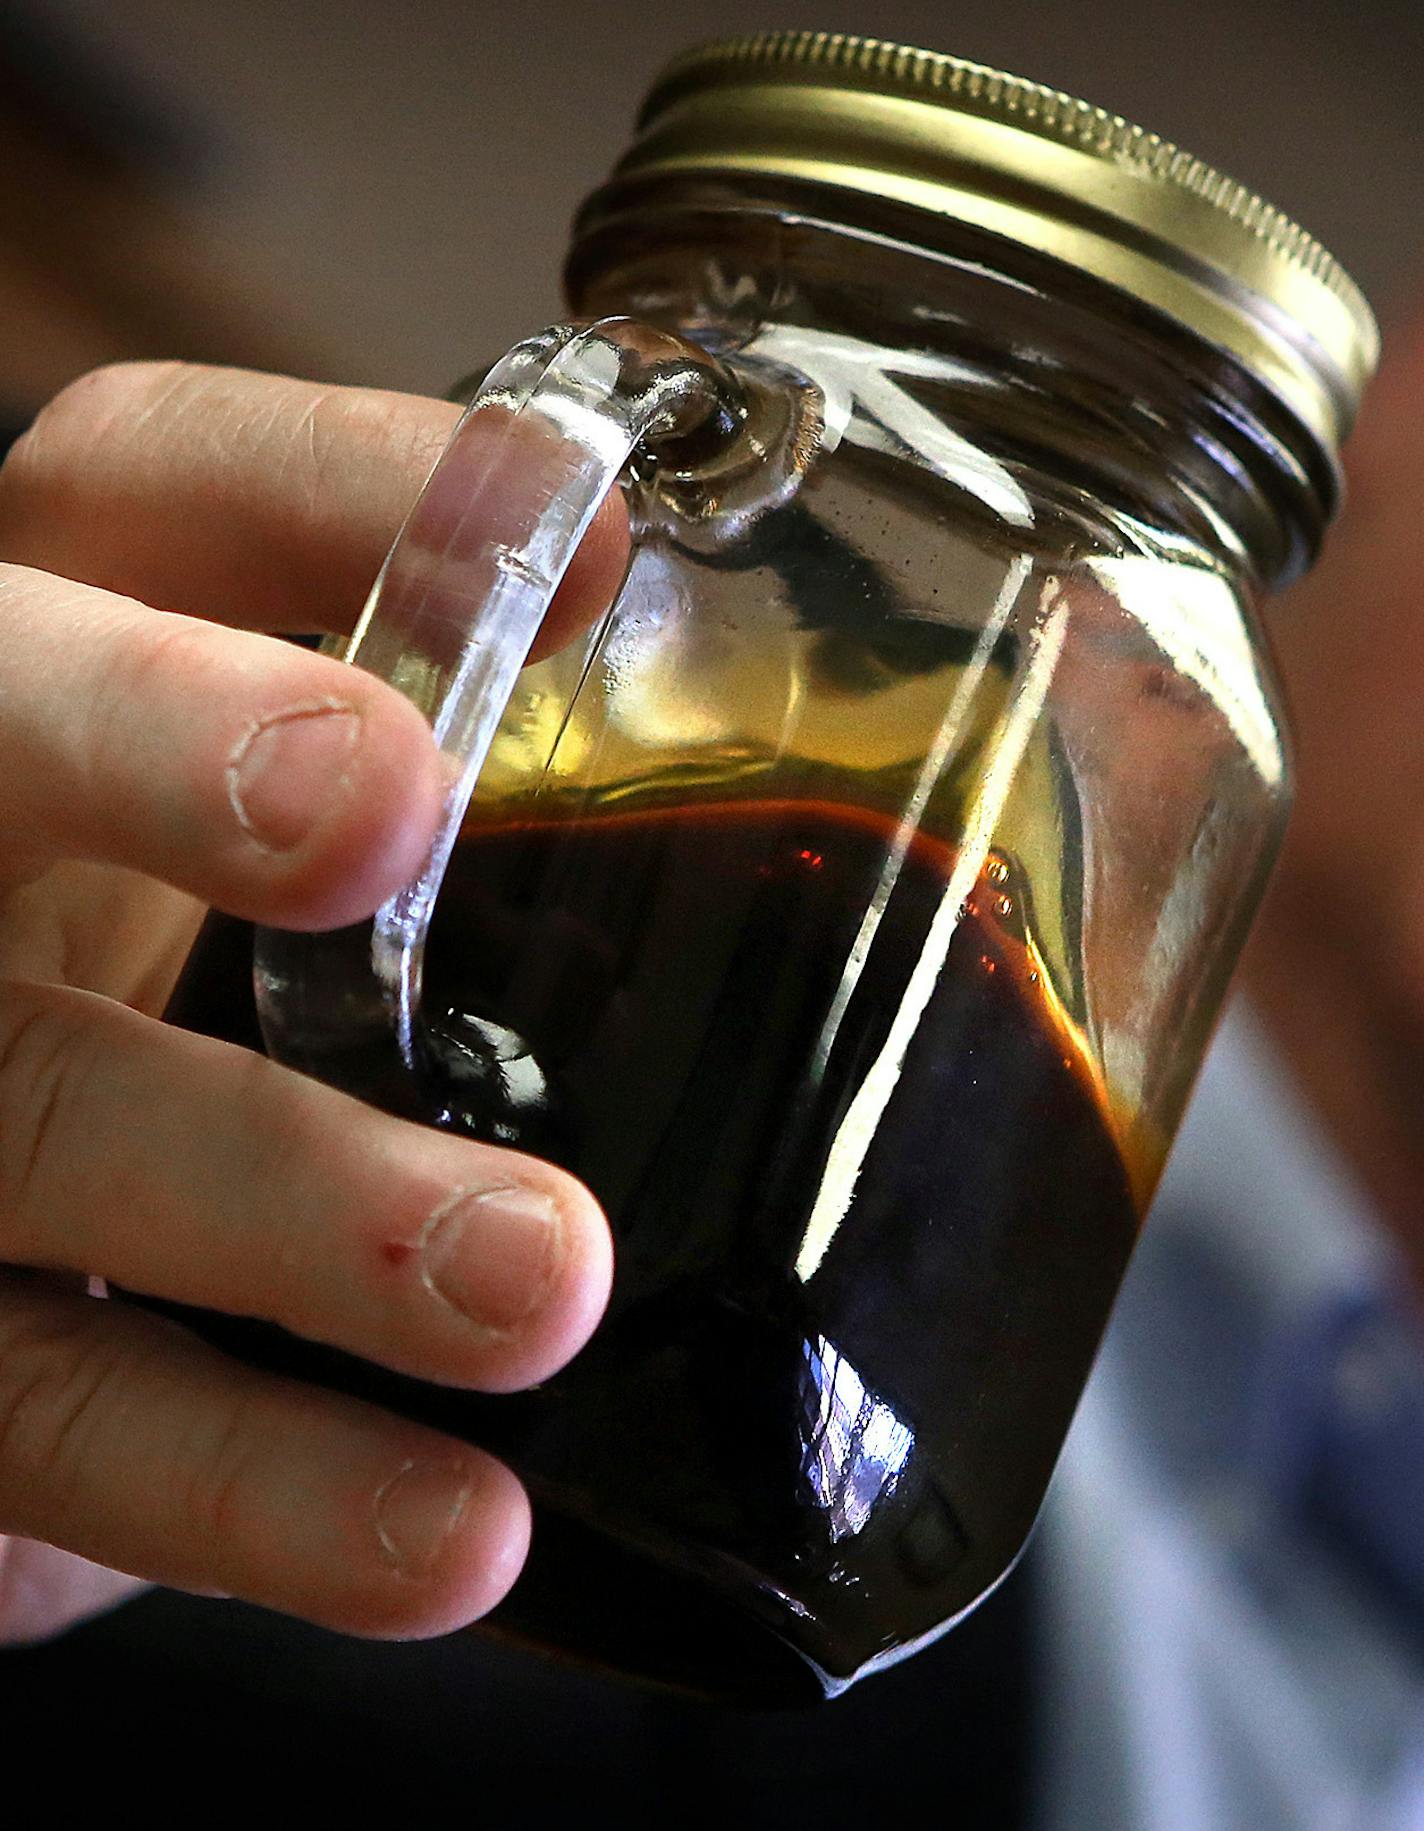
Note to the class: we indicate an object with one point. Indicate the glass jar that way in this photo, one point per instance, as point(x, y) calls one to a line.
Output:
point(851, 905)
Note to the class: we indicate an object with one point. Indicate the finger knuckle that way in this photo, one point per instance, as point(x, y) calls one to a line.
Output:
point(273, 1105)
point(216, 1488)
point(44, 1068)
point(150, 646)
point(53, 1375)
point(328, 434)
point(320, 439)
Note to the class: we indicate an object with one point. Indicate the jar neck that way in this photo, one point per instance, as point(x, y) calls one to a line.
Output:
point(1043, 366)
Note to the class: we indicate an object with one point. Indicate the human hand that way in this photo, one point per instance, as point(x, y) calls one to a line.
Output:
point(153, 760)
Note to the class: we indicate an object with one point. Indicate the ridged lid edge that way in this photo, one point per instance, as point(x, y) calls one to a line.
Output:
point(880, 66)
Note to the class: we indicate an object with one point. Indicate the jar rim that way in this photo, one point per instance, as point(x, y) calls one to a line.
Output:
point(1030, 164)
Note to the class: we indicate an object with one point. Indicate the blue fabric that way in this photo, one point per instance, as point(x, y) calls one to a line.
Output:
point(1234, 1590)
point(1361, 1475)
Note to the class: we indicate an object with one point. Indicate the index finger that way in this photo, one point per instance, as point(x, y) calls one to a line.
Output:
point(253, 500)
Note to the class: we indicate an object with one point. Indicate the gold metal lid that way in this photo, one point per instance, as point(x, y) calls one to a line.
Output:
point(1039, 167)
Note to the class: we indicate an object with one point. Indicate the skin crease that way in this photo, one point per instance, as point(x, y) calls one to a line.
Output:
point(186, 1168)
point(1336, 964)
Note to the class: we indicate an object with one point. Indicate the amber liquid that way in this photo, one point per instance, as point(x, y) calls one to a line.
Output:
point(824, 1403)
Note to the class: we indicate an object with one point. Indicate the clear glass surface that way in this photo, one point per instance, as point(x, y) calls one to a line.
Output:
point(850, 907)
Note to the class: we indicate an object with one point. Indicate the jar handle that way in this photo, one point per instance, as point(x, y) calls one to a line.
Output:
point(451, 621)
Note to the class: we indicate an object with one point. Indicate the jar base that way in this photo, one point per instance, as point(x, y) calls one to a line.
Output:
point(585, 1598)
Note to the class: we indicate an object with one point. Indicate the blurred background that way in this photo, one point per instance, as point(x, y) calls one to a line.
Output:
point(381, 192)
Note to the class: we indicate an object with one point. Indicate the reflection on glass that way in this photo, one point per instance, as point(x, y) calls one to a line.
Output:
point(853, 1445)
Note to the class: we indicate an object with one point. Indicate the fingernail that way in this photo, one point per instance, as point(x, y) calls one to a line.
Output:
point(416, 1512)
point(288, 767)
point(492, 1254)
